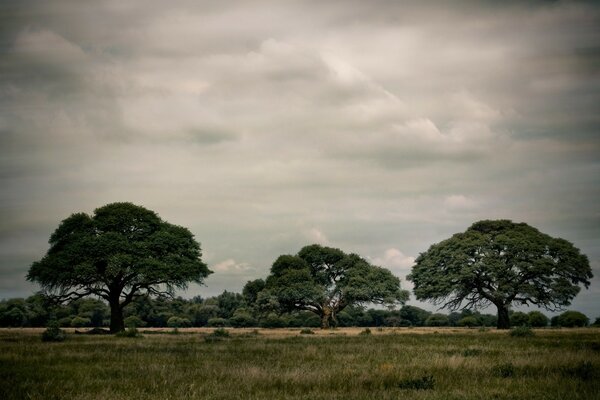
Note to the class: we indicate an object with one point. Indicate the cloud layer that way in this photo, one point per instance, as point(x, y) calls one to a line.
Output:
point(377, 127)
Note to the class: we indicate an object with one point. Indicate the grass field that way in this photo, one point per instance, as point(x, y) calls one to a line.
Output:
point(428, 363)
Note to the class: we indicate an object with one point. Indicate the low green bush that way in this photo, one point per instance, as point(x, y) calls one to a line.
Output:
point(505, 370)
point(129, 333)
point(521, 331)
point(307, 331)
point(53, 333)
point(365, 332)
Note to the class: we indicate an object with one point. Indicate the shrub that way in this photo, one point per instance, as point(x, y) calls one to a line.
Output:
point(79, 322)
point(571, 319)
point(242, 320)
point(53, 333)
point(217, 322)
point(521, 331)
point(129, 333)
point(423, 383)
point(437, 320)
point(221, 332)
point(505, 370)
point(519, 319)
point(65, 321)
point(134, 321)
point(272, 321)
point(365, 332)
point(596, 322)
point(178, 322)
point(537, 319)
point(307, 331)
point(469, 322)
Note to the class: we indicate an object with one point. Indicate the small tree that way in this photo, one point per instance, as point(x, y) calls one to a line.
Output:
point(519, 318)
point(537, 319)
point(326, 280)
point(120, 253)
point(572, 319)
point(437, 320)
point(500, 263)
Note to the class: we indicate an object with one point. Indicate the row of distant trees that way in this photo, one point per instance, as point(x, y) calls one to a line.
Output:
point(238, 310)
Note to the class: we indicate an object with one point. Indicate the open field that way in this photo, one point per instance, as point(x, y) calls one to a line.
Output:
point(420, 363)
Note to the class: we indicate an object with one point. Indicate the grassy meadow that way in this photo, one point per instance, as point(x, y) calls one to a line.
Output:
point(426, 363)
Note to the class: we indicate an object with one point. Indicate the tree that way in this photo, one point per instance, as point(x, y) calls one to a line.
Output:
point(437, 320)
point(500, 263)
point(537, 319)
point(325, 280)
point(119, 253)
point(571, 319)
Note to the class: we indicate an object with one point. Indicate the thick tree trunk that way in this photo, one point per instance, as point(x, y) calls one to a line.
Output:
point(116, 317)
point(503, 318)
point(325, 316)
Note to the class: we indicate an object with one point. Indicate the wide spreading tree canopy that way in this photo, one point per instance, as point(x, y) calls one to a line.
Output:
point(121, 252)
point(500, 263)
point(325, 280)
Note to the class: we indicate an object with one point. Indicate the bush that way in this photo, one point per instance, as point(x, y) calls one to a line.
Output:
point(178, 322)
point(571, 319)
point(272, 321)
point(129, 333)
point(519, 319)
point(65, 321)
point(469, 322)
point(134, 321)
point(366, 332)
point(584, 371)
point(217, 335)
point(242, 320)
point(217, 322)
point(307, 331)
point(537, 319)
point(437, 320)
point(521, 331)
point(53, 333)
point(80, 322)
point(596, 322)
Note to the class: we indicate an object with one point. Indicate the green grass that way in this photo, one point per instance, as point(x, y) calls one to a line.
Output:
point(554, 364)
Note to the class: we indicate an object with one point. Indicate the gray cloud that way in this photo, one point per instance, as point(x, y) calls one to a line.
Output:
point(378, 127)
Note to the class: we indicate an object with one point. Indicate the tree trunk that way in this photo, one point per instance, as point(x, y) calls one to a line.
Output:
point(503, 318)
point(116, 317)
point(325, 316)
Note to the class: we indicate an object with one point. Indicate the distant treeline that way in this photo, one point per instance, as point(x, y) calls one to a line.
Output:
point(233, 309)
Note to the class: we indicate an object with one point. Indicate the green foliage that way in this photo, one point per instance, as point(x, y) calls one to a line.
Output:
point(365, 332)
point(537, 319)
point(272, 321)
point(325, 280)
point(80, 322)
point(500, 263)
point(120, 252)
point(217, 335)
point(53, 333)
point(521, 331)
point(469, 322)
point(217, 322)
point(307, 331)
point(133, 321)
point(519, 318)
point(424, 383)
point(129, 333)
point(471, 352)
point(596, 322)
point(571, 319)
point(242, 319)
point(178, 322)
point(437, 320)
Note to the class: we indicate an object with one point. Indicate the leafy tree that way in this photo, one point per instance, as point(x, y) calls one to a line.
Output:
point(437, 320)
point(469, 322)
point(121, 252)
point(251, 291)
point(413, 316)
point(571, 319)
point(500, 263)
point(519, 318)
point(325, 280)
point(537, 319)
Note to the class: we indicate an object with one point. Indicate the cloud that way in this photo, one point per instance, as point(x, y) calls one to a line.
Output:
point(314, 235)
point(395, 260)
point(230, 266)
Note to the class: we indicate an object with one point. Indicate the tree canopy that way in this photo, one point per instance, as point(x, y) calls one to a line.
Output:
point(500, 263)
point(119, 253)
point(325, 280)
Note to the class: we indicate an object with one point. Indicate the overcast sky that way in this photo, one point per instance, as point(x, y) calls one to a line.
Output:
point(379, 127)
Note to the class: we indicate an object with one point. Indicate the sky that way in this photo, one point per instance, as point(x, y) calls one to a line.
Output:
point(376, 127)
